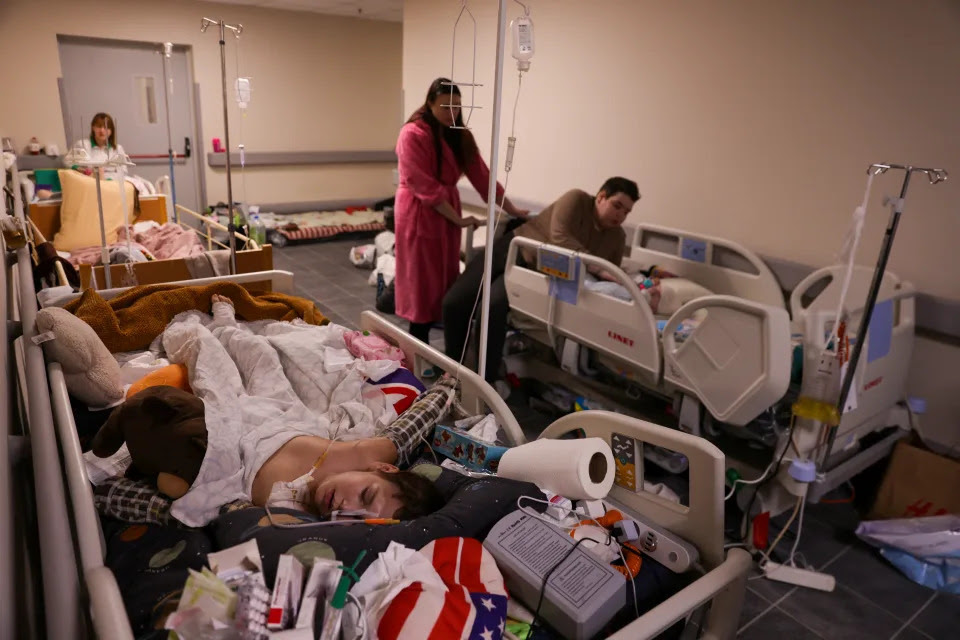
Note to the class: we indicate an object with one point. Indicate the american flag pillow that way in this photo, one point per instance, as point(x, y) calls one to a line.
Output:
point(474, 607)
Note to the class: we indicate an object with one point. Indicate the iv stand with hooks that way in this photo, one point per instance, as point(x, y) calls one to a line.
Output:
point(473, 80)
point(935, 176)
point(164, 54)
point(231, 227)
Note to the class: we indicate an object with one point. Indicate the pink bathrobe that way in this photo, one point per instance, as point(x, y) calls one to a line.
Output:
point(427, 244)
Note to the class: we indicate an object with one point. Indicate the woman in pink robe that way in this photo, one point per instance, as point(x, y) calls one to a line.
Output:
point(428, 217)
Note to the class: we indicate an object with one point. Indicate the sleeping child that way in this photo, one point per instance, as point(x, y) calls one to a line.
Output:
point(277, 416)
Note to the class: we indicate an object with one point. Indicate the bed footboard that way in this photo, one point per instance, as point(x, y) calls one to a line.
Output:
point(736, 360)
point(700, 522)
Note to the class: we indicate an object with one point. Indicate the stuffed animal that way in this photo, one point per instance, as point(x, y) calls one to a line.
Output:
point(172, 375)
point(165, 433)
point(90, 372)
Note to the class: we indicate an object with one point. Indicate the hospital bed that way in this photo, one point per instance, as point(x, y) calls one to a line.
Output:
point(80, 592)
point(734, 358)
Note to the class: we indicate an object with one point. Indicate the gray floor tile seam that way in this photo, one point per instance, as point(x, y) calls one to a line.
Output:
point(750, 622)
point(916, 614)
point(776, 604)
point(890, 613)
point(797, 620)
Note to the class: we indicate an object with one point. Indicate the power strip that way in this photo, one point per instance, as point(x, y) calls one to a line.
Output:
point(800, 577)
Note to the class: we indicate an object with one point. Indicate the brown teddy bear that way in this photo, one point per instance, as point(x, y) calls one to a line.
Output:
point(166, 435)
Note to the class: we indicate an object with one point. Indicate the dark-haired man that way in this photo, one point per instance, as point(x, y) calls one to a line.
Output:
point(578, 221)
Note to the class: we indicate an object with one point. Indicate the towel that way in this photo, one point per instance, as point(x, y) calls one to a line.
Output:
point(133, 319)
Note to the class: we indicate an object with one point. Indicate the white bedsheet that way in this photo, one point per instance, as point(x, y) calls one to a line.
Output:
point(262, 384)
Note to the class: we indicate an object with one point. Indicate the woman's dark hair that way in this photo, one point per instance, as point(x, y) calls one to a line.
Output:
point(418, 495)
point(107, 121)
point(460, 140)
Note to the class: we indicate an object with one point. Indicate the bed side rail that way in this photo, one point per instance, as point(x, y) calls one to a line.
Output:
point(723, 266)
point(61, 588)
point(725, 586)
point(476, 394)
point(279, 281)
point(626, 330)
point(700, 522)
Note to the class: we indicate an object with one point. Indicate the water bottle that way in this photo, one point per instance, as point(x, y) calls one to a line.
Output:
point(258, 231)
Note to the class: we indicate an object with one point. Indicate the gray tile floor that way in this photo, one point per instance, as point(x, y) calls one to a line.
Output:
point(872, 601)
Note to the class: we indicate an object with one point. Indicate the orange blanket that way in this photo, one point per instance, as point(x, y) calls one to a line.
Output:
point(133, 319)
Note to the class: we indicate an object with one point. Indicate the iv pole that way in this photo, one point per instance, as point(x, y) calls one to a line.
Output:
point(492, 189)
point(231, 228)
point(935, 176)
point(166, 53)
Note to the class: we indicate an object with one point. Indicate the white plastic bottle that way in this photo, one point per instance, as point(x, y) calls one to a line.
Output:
point(522, 30)
point(258, 231)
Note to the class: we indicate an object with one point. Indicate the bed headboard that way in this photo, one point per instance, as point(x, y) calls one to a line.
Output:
point(46, 215)
point(724, 267)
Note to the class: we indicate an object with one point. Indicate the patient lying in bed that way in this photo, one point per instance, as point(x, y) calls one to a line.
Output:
point(288, 421)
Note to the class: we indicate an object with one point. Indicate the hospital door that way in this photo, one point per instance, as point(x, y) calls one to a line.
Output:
point(126, 80)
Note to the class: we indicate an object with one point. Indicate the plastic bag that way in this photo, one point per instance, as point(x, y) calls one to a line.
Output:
point(364, 256)
point(384, 242)
point(926, 550)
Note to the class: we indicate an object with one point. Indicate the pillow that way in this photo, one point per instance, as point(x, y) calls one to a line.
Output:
point(173, 375)
point(401, 388)
point(79, 217)
point(676, 292)
point(473, 506)
point(90, 372)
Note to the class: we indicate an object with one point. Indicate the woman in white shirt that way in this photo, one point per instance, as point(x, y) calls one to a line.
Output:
point(102, 145)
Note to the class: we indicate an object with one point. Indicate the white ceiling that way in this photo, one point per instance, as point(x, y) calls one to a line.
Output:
point(391, 10)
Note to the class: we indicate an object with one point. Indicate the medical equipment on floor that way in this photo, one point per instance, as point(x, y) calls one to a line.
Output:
point(237, 29)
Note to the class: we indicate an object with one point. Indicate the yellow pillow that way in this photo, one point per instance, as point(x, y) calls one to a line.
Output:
point(79, 218)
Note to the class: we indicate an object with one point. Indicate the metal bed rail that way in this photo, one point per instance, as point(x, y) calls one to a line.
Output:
point(61, 588)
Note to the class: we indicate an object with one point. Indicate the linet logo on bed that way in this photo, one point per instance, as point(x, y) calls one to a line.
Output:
point(619, 338)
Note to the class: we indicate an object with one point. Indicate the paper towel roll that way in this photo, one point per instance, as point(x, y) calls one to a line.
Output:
point(577, 469)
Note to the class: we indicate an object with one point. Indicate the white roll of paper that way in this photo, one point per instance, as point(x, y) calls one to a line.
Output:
point(576, 469)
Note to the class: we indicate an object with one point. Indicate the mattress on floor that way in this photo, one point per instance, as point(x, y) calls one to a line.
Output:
point(315, 225)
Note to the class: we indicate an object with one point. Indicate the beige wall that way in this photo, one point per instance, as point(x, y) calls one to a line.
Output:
point(750, 119)
point(319, 83)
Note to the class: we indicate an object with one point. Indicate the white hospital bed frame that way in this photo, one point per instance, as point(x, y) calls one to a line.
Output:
point(94, 589)
point(737, 361)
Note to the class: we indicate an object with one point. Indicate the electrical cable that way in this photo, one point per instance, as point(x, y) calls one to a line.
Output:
point(796, 542)
point(557, 524)
point(760, 478)
point(746, 513)
point(765, 557)
point(546, 577)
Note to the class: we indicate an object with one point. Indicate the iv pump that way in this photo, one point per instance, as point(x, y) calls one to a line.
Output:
point(522, 30)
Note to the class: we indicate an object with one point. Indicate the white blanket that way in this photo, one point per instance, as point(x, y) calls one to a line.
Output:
point(262, 384)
